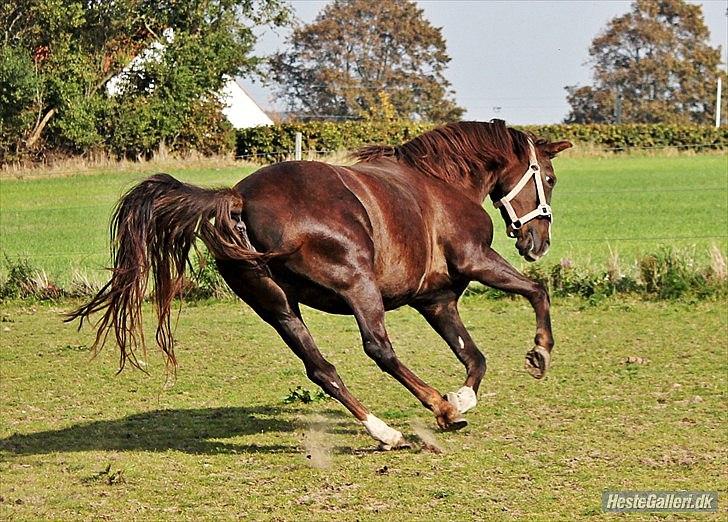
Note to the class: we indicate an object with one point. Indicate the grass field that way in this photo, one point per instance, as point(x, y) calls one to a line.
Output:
point(631, 205)
point(78, 443)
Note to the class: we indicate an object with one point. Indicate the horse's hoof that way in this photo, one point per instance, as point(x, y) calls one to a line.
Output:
point(464, 399)
point(538, 361)
point(457, 424)
point(452, 422)
point(378, 429)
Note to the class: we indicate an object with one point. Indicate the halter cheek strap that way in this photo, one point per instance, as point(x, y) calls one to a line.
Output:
point(543, 209)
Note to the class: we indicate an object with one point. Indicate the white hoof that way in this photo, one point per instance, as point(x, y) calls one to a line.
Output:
point(388, 437)
point(464, 399)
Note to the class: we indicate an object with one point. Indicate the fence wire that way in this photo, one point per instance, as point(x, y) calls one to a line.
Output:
point(85, 255)
point(285, 154)
point(559, 194)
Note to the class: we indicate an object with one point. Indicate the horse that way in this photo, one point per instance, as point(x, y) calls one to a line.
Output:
point(403, 225)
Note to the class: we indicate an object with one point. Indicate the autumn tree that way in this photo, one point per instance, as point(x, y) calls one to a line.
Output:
point(358, 54)
point(57, 56)
point(656, 63)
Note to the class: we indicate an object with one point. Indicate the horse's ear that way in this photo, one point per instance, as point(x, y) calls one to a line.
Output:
point(553, 148)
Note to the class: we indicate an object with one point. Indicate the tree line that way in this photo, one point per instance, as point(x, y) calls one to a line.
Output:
point(124, 77)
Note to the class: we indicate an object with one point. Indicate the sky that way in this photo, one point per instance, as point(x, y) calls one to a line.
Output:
point(511, 59)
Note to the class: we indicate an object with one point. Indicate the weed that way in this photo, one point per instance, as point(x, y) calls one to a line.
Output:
point(718, 270)
point(305, 396)
point(671, 274)
point(82, 285)
point(107, 476)
point(206, 281)
point(26, 281)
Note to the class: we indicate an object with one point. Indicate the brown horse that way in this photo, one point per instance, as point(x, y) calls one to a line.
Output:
point(403, 226)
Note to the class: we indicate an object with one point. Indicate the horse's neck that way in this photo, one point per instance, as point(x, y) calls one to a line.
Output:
point(478, 187)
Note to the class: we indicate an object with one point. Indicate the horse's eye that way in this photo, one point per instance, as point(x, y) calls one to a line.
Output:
point(551, 181)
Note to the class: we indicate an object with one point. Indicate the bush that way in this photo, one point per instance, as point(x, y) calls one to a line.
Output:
point(26, 281)
point(626, 136)
point(205, 281)
point(272, 143)
point(666, 274)
point(669, 275)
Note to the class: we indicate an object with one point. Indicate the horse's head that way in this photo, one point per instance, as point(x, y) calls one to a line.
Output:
point(523, 195)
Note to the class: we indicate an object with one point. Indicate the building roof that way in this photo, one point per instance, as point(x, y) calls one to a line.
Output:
point(240, 108)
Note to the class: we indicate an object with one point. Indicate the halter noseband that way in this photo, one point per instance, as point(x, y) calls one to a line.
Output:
point(542, 210)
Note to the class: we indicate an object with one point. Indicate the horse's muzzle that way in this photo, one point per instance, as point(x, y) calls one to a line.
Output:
point(533, 240)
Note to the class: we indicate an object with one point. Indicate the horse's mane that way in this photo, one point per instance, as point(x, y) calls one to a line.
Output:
point(455, 150)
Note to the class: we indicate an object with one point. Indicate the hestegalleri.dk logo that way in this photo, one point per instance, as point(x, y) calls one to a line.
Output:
point(660, 501)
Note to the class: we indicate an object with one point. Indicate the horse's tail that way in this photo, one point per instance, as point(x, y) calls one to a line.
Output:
point(153, 229)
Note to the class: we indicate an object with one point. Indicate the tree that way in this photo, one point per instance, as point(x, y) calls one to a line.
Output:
point(357, 53)
point(65, 52)
point(656, 62)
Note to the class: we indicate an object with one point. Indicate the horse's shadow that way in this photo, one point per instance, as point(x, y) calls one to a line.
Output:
point(187, 430)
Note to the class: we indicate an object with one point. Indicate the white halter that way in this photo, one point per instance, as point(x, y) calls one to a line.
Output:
point(542, 210)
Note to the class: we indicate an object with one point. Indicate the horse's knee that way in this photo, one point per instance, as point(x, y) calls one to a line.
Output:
point(541, 293)
point(538, 295)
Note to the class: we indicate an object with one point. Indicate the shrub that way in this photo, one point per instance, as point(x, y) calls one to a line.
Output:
point(205, 281)
point(272, 143)
point(669, 275)
point(26, 281)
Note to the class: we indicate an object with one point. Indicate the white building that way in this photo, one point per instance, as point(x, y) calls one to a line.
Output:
point(240, 109)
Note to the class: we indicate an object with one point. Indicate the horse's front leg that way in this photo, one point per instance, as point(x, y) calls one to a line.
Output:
point(491, 269)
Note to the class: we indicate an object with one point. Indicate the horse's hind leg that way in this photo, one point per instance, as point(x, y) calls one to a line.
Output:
point(444, 318)
point(271, 303)
point(366, 304)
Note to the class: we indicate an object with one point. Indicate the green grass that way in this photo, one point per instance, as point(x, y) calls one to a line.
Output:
point(61, 224)
point(629, 204)
point(77, 442)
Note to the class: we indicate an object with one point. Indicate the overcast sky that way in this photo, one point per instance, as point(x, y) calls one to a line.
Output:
point(510, 59)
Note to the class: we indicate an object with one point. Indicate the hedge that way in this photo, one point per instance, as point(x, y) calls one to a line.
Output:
point(274, 142)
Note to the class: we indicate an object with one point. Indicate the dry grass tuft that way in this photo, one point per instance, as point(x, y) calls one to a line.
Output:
point(717, 263)
point(95, 164)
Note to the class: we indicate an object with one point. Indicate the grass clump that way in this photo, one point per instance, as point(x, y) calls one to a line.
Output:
point(304, 395)
point(205, 281)
point(26, 281)
point(666, 274)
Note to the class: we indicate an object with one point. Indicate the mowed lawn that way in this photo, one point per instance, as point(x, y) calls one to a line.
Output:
point(630, 205)
point(77, 442)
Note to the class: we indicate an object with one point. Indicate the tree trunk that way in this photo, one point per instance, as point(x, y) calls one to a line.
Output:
point(39, 128)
